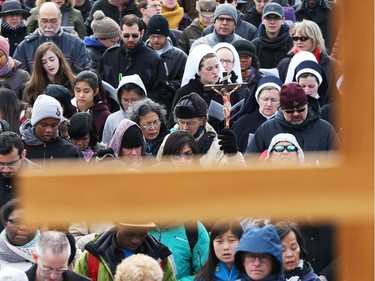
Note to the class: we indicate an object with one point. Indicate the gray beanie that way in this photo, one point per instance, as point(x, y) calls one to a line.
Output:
point(45, 107)
point(226, 9)
point(104, 27)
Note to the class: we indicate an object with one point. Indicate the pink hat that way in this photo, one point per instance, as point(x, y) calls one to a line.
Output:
point(4, 45)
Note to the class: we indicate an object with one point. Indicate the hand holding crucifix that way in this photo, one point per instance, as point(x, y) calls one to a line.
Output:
point(223, 91)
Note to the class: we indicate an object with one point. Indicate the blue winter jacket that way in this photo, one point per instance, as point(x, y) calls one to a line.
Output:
point(72, 47)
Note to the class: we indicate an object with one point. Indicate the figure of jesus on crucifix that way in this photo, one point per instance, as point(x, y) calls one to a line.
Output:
point(223, 91)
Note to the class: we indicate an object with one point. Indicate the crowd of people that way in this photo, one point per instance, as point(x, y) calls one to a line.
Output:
point(211, 83)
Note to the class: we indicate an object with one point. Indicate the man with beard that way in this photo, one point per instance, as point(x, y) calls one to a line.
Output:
point(298, 115)
point(132, 56)
point(49, 29)
point(12, 158)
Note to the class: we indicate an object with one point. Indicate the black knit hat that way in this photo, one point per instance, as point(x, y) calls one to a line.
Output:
point(190, 106)
point(158, 25)
point(244, 47)
point(133, 137)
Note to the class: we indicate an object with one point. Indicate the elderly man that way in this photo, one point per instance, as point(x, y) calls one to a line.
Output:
point(298, 117)
point(49, 22)
point(51, 257)
point(225, 21)
point(104, 253)
point(244, 29)
point(173, 59)
point(274, 41)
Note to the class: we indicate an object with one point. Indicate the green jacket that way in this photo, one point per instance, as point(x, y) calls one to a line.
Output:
point(188, 262)
point(104, 248)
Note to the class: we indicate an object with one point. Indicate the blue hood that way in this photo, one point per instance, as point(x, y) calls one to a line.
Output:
point(92, 41)
point(260, 240)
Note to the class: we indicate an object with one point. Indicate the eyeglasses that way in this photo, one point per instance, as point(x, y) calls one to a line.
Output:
point(301, 38)
point(186, 123)
point(149, 125)
point(51, 21)
point(270, 18)
point(223, 61)
point(49, 270)
point(126, 35)
point(222, 19)
point(291, 111)
point(186, 155)
point(252, 257)
point(225, 1)
point(273, 100)
point(154, 6)
point(9, 164)
point(289, 148)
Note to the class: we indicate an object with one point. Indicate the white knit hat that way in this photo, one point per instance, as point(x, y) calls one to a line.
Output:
point(46, 107)
point(288, 138)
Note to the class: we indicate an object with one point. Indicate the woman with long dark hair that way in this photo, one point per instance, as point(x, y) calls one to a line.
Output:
point(50, 67)
point(225, 236)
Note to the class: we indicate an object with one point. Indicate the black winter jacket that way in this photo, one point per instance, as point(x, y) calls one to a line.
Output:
point(118, 62)
point(105, 247)
point(271, 51)
point(313, 134)
point(67, 275)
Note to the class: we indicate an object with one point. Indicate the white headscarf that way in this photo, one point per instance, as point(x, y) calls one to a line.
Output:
point(295, 61)
point(193, 60)
point(236, 57)
point(289, 138)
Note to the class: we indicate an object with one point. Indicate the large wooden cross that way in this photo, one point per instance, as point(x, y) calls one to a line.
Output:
point(341, 192)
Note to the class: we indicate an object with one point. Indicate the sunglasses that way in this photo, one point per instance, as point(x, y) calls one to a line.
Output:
point(225, 1)
point(301, 38)
point(290, 111)
point(289, 148)
point(126, 35)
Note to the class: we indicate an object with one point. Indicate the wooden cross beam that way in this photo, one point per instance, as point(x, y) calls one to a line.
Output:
point(341, 192)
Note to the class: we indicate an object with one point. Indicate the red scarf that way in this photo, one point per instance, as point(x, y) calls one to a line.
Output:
point(316, 53)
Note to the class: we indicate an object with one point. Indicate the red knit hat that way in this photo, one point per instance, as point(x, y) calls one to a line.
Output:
point(292, 95)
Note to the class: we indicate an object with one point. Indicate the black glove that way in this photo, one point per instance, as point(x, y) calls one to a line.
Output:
point(228, 141)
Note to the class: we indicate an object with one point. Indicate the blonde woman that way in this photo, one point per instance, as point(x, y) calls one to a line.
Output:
point(308, 37)
point(139, 267)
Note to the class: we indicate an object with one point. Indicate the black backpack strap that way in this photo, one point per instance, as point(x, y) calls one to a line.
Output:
point(191, 228)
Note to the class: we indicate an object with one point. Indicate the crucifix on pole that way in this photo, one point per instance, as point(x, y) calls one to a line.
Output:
point(225, 90)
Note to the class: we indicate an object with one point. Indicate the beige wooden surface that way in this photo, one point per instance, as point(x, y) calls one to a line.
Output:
point(342, 194)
